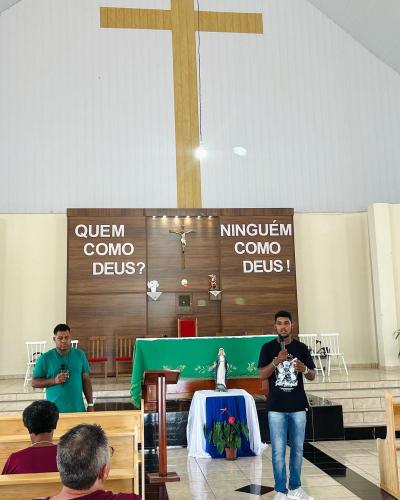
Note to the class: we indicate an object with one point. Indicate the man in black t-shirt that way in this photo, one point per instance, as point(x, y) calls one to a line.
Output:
point(284, 362)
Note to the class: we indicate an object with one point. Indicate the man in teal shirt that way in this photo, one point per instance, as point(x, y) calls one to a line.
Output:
point(64, 373)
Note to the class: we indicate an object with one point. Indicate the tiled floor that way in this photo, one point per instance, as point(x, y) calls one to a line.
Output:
point(205, 479)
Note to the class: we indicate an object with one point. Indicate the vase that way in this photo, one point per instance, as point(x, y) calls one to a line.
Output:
point(230, 453)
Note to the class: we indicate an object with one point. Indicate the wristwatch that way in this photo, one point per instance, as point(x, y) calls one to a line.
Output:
point(90, 404)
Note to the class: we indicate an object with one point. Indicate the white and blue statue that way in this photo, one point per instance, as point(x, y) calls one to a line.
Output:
point(220, 368)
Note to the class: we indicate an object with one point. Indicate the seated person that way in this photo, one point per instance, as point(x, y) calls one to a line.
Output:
point(40, 418)
point(83, 459)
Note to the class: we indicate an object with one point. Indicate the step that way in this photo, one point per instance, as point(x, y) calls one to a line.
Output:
point(16, 402)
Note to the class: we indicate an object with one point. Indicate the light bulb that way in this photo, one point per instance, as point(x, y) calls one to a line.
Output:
point(201, 152)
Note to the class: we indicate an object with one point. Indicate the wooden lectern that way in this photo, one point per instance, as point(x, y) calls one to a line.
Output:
point(160, 378)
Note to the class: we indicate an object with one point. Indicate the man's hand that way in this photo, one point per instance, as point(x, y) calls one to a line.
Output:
point(282, 356)
point(90, 408)
point(299, 366)
point(60, 378)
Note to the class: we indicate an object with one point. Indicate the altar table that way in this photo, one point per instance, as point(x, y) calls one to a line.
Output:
point(193, 356)
point(196, 440)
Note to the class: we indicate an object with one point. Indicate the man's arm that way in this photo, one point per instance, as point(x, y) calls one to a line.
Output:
point(42, 383)
point(87, 390)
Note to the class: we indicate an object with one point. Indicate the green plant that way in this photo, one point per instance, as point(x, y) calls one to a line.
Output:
point(228, 434)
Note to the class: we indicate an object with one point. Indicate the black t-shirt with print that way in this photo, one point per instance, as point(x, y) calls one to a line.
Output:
point(286, 389)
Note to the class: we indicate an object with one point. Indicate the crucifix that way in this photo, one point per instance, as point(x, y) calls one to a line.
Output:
point(182, 233)
point(183, 20)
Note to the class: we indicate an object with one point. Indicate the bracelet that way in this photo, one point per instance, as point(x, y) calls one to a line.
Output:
point(90, 404)
point(273, 364)
point(306, 370)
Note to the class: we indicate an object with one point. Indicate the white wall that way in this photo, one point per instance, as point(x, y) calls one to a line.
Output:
point(87, 120)
point(33, 263)
point(395, 226)
point(334, 281)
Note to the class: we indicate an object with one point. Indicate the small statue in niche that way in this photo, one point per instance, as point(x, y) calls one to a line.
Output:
point(212, 282)
point(220, 367)
point(153, 285)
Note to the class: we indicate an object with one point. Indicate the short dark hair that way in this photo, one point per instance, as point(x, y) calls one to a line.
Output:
point(283, 314)
point(81, 454)
point(61, 327)
point(40, 416)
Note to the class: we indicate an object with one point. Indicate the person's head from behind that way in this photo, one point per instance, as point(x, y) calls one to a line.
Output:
point(62, 337)
point(40, 417)
point(283, 323)
point(83, 455)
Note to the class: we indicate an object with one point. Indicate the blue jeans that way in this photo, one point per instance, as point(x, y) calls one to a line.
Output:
point(282, 426)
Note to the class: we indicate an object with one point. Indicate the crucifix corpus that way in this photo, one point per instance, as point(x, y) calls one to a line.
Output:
point(182, 233)
point(183, 21)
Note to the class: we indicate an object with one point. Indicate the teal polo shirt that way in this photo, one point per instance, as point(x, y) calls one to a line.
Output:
point(67, 396)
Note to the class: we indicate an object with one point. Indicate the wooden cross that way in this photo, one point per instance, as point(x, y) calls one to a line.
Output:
point(183, 21)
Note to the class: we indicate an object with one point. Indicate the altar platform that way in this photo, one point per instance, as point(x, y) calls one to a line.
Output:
point(359, 395)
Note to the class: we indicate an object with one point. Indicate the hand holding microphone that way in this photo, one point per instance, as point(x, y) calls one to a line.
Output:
point(282, 356)
point(61, 377)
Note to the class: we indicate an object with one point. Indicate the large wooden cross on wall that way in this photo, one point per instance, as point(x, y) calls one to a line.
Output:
point(183, 21)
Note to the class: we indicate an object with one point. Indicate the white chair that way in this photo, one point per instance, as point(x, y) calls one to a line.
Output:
point(310, 339)
point(331, 343)
point(34, 350)
point(74, 344)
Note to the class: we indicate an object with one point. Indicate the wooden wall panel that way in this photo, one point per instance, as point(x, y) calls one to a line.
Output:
point(250, 299)
point(164, 256)
point(114, 305)
point(109, 315)
point(245, 312)
point(81, 277)
point(163, 317)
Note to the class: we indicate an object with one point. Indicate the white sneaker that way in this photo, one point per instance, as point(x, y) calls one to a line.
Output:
point(279, 496)
point(299, 494)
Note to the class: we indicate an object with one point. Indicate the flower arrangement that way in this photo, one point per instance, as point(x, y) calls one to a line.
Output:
point(228, 434)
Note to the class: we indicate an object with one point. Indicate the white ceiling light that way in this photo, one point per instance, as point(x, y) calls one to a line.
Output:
point(201, 152)
point(239, 150)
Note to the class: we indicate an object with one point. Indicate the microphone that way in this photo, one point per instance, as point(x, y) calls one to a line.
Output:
point(62, 370)
point(282, 342)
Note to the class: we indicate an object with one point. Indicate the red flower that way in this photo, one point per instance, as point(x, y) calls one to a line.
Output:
point(231, 420)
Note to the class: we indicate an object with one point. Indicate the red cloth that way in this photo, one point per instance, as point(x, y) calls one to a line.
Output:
point(31, 460)
point(187, 328)
point(97, 360)
point(108, 495)
point(124, 358)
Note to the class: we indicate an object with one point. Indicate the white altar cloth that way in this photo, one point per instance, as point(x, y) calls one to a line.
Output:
point(196, 441)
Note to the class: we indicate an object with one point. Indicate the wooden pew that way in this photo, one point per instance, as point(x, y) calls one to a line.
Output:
point(124, 430)
point(387, 448)
point(28, 486)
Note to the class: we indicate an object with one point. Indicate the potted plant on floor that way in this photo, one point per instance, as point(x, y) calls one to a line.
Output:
point(227, 435)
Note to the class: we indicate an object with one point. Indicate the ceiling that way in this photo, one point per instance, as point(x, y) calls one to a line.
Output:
point(373, 23)
point(5, 4)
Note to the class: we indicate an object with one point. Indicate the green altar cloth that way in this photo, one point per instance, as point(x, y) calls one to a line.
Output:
point(193, 356)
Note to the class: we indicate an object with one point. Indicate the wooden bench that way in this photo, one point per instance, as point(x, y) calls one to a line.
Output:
point(124, 430)
point(387, 448)
point(28, 486)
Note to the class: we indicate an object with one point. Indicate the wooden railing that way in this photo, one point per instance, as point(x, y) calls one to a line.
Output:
point(387, 448)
